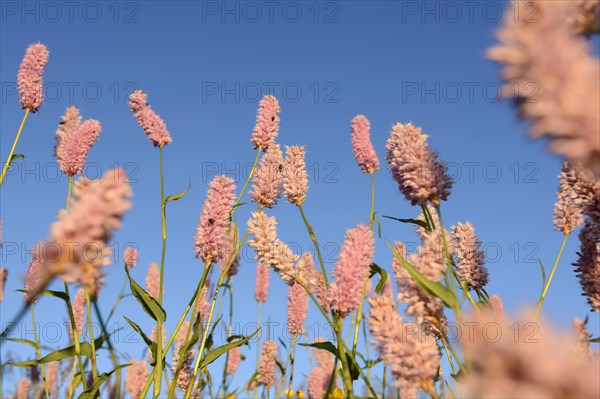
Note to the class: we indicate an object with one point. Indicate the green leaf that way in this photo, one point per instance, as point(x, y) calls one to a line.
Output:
point(57, 294)
point(214, 354)
point(354, 367)
point(86, 350)
point(179, 196)
point(149, 343)
point(240, 204)
point(149, 304)
point(412, 221)
point(193, 340)
point(16, 156)
point(376, 269)
point(92, 391)
point(595, 340)
point(376, 220)
point(25, 341)
point(432, 287)
point(328, 346)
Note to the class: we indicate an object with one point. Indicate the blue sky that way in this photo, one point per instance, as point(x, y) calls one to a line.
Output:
point(205, 65)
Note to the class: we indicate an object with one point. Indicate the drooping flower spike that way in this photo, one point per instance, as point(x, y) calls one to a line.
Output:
point(153, 125)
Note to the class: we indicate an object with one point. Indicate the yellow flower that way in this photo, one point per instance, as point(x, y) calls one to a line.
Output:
point(337, 394)
point(230, 396)
point(300, 394)
point(289, 393)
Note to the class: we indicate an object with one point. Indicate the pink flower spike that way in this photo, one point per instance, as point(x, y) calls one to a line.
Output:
point(153, 125)
point(130, 257)
point(153, 280)
point(295, 179)
point(267, 123)
point(361, 145)
point(297, 309)
point(74, 140)
point(261, 287)
point(30, 76)
point(266, 365)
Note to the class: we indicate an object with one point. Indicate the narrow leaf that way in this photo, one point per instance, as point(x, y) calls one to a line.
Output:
point(149, 343)
point(25, 341)
point(215, 353)
point(179, 196)
point(92, 391)
point(149, 304)
point(412, 221)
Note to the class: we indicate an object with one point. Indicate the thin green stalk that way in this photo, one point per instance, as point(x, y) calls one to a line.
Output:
point(384, 383)
point(91, 330)
point(538, 308)
point(313, 238)
point(372, 212)
point(292, 362)
point(346, 378)
point(332, 379)
point(224, 381)
point(14, 146)
point(111, 349)
point(359, 317)
point(39, 352)
point(69, 192)
point(163, 217)
point(239, 197)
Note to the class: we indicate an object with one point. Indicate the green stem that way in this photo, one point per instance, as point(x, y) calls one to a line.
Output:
point(14, 146)
point(163, 216)
point(346, 378)
point(372, 212)
point(239, 197)
point(39, 352)
point(91, 330)
point(292, 361)
point(111, 349)
point(313, 238)
point(538, 308)
point(384, 383)
point(69, 192)
point(359, 317)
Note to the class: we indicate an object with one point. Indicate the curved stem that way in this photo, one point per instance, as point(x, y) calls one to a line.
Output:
point(313, 238)
point(240, 195)
point(372, 212)
point(69, 192)
point(538, 308)
point(39, 352)
point(359, 317)
point(14, 146)
point(159, 349)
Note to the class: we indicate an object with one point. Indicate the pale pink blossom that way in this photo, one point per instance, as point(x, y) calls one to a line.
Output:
point(77, 248)
point(267, 123)
point(78, 313)
point(313, 278)
point(30, 76)
point(297, 309)
point(211, 233)
point(351, 270)
point(130, 256)
point(585, 16)
point(266, 364)
point(153, 280)
point(469, 256)
point(153, 125)
point(3, 277)
point(229, 249)
point(33, 279)
point(413, 357)
point(23, 389)
point(554, 78)
point(266, 186)
point(51, 375)
point(261, 287)
point(361, 144)
point(587, 265)
point(269, 249)
point(74, 138)
point(233, 360)
point(318, 382)
point(568, 214)
point(414, 166)
point(203, 306)
point(137, 374)
point(583, 336)
point(295, 179)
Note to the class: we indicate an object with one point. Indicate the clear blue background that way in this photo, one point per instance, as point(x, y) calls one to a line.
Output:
point(201, 66)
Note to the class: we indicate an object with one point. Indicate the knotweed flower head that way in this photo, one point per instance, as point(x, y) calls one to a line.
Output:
point(269, 249)
point(130, 256)
point(469, 255)
point(23, 389)
point(549, 365)
point(568, 214)
point(137, 374)
point(585, 16)
point(30, 76)
point(261, 286)
point(74, 139)
point(203, 306)
point(295, 179)
point(153, 280)
point(266, 186)
point(318, 382)
point(213, 226)
point(267, 123)
point(3, 277)
point(352, 270)
point(78, 313)
point(33, 280)
point(153, 125)
point(266, 365)
point(413, 357)
point(361, 144)
point(587, 265)
point(297, 309)
point(313, 278)
point(324, 358)
point(233, 360)
point(420, 176)
point(51, 375)
point(77, 247)
point(583, 336)
point(556, 78)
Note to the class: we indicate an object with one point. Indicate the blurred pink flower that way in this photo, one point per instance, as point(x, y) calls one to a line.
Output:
point(233, 360)
point(33, 279)
point(74, 139)
point(412, 355)
point(153, 125)
point(587, 265)
point(554, 78)
point(585, 16)
point(30, 76)
point(267, 123)
point(297, 309)
point(420, 176)
point(295, 180)
point(3, 277)
point(313, 278)
point(266, 365)
point(153, 280)
point(469, 255)
point(78, 313)
point(230, 245)
point(351, 270)
point(361, 145)
point(266, 186)
point(261, 287)
point(212, 230)
point(23, 388)
point(130, 256)
point(137, 374)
